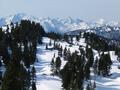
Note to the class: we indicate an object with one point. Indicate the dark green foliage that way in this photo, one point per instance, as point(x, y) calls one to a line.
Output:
point(33, 72)
point(77, 38)
point(104, 65)
point(66, 37)
point(66, 54)
point(58, 64)
point(72, 74)
point(3, 47)
point(117, 52)
point(46, 46)
point(87, 71)
point(89, 55)
point(18, 48)
point(15, 77)
point(50, 43)
point(53, 66)
point(96, 42)
point(60, 50)
point(95, 66)
point(54, 36)
point(33, 86)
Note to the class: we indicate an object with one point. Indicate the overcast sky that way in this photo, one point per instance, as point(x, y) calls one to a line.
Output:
point(83, 9)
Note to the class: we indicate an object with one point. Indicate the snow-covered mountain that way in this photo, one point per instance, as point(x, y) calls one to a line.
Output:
point(60, 25)
point(63, 25)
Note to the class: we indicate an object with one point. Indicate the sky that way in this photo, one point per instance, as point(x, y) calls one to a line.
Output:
point(83, 9)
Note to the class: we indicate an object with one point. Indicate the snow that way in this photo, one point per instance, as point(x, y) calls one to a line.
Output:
point(43, 73)
point(113, 23)
point(100, 21)
point(44, 79)
point(112, 82)
point(47, 81)
point(60, 25)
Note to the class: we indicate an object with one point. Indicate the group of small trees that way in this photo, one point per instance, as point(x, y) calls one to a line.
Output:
point(102, 65)
point(73, 73)
point(77, 68)
point(18, 51)
point(55, 65)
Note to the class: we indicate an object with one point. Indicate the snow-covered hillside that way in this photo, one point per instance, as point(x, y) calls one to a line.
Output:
point(47, 81)
point(43, 69)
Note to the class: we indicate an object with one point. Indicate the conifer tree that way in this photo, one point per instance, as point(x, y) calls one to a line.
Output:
point(33, 72)
point(77, 38)
point(60, 51)
point(72, 74)
point(65, 53)
point(53, 65)
point(95, 66)
point(50, 43)
point(46, 46)
point(58, 64)
point(89, 55)
point(66, 37)
point(87, 71)
point(34, 86)
point(104, 65)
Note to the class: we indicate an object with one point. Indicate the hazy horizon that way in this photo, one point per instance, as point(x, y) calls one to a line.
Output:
point(83, 9)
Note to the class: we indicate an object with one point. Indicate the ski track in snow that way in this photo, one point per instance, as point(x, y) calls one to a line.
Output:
point(48, 82)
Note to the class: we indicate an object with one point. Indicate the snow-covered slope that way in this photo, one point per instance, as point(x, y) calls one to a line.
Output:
point(43, 69)
point(47, 81)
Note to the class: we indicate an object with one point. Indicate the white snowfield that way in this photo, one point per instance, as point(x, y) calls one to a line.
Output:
point(45, 81)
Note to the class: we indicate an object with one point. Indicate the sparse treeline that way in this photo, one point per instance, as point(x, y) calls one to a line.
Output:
point(18, 51)
point(79, 64)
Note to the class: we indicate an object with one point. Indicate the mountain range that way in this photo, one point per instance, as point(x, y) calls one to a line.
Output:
point(109, 30)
